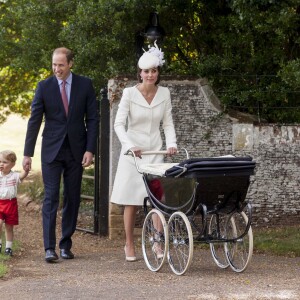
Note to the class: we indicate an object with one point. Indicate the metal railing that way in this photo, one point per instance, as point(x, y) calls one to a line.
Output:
point(100, 178)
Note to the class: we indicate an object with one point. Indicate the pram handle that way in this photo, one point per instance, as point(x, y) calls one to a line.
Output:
point(165, 152)
point(154, 152)
point(131, 152)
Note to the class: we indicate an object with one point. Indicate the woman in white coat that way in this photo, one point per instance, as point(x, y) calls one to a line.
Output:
point(142, 108)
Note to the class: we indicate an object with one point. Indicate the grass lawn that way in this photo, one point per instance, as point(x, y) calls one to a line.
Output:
point(3, 268)
point(12, 134)
point(5, 258)
point(278, 241)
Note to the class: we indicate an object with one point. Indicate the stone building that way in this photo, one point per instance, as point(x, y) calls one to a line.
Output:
point(205, 130)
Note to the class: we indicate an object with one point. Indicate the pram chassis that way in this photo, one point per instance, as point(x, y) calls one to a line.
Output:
point(225, 226)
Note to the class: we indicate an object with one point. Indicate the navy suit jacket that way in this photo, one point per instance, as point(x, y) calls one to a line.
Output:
point(81, 124)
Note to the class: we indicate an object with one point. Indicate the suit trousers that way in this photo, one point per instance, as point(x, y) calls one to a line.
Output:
point(63, 165)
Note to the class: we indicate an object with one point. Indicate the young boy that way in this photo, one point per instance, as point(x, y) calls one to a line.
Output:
point(9, 181)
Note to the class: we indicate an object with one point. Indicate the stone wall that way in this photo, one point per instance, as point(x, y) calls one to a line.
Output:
point(204, 130)
point(275, 189)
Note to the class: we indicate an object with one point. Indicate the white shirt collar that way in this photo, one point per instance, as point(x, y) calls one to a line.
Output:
point(68, 80)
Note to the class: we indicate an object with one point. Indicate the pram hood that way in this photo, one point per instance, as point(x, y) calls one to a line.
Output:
point(210, 165)
point(213, 165)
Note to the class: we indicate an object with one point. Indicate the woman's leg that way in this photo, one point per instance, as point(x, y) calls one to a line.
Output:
point(157, 247)
point(129, 222)
point(157, 223)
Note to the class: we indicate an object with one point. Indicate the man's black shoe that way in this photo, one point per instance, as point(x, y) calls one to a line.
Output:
point(50, 255)
point(66, 254)
point(8, 251)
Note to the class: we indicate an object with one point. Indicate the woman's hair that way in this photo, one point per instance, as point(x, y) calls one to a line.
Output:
point(139, 74)
point(9, 155)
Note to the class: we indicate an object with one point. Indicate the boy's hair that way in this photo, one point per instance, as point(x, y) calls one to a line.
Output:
point(9, 155)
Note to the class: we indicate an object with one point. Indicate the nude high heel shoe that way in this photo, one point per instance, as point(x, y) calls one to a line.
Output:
point(129, 258)
point(157, 251)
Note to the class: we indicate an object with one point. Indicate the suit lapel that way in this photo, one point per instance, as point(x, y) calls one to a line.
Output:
point(140, 100)
point(74, 88)
point(57, 93)
point(158, 99)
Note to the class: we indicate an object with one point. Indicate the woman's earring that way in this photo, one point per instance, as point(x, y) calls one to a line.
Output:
point(142, 78)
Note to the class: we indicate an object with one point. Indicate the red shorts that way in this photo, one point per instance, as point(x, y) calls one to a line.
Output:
point(9, 211)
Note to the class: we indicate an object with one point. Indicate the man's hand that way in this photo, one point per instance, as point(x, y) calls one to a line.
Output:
point(26, 163)
point(87, 159)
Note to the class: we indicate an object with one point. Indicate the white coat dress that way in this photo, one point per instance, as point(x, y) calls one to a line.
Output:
point(143, 131)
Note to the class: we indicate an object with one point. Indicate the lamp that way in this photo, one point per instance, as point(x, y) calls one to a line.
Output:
point(152, 32)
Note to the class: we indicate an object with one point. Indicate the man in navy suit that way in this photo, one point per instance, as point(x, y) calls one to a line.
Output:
point(68, 145)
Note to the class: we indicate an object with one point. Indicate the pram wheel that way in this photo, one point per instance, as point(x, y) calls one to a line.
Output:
point(181, 244)
point(239, 252)
point(217, 231)
point(155, 240)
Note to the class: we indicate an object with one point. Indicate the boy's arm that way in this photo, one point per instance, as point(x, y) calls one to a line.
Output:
point(23, 174)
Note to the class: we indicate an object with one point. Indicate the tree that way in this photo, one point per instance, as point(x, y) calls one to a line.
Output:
point(29, 33)
point(249, 50)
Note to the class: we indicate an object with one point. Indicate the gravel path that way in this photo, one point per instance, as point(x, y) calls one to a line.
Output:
point(99, 271)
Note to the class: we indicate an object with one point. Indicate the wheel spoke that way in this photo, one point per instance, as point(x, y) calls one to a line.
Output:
point(217, 231)
point(239, 252)
point(180, 243)
point(155, 240)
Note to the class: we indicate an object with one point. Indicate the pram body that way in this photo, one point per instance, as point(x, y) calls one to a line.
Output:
point(198, 200)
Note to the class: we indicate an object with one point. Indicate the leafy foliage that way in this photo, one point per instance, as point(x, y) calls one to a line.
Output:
point(249, 50)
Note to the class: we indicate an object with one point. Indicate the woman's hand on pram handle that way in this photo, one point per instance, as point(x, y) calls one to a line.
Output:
point(135, 151)
point(171, 151)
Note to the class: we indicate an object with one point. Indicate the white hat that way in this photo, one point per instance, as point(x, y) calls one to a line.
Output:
point(152, 58)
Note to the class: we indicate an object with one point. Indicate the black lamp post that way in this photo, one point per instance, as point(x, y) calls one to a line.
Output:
point(152, 32)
